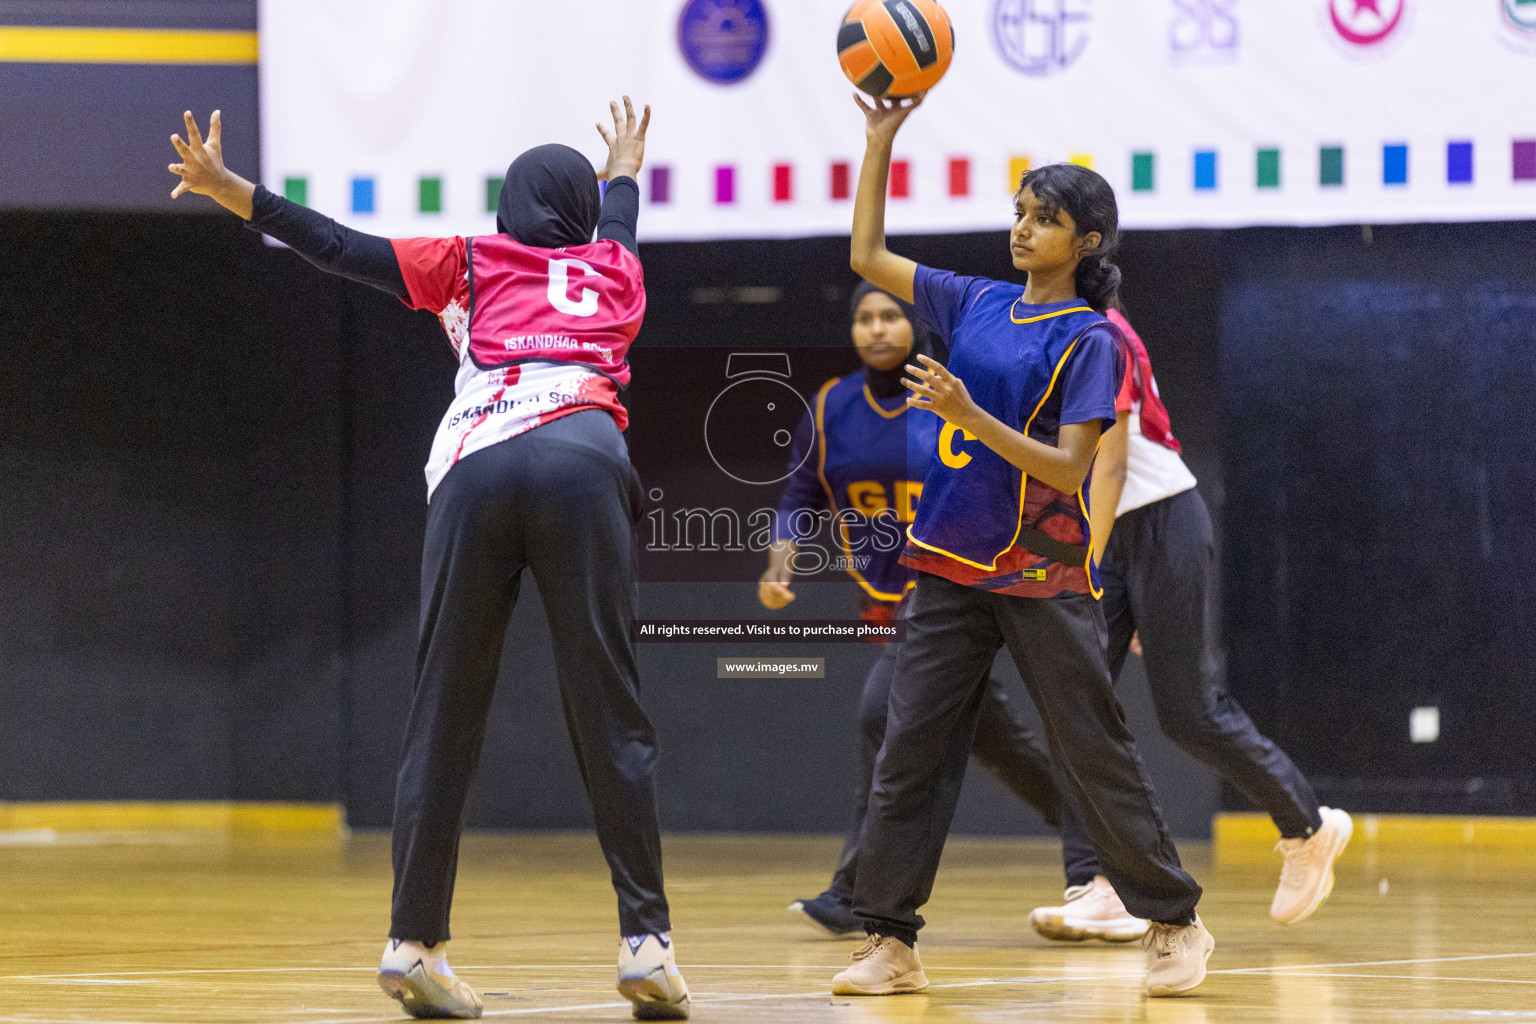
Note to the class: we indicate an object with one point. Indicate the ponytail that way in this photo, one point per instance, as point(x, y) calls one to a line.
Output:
point(1098, 281)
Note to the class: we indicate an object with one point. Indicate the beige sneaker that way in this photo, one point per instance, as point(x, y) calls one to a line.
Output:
point(649, 978)
point(883, 966)
point(426, 986)
point(1307, 877)
point(1092, 911)
point(1176, 956)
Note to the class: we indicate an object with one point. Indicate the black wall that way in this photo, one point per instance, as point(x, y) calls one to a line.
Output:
point(1381, 497)
point(213, 503)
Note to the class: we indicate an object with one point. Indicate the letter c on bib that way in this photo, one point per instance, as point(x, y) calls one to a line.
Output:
point(559, 287)
point(947, 453)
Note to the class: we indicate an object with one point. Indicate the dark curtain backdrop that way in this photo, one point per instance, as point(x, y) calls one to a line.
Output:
point(213, 503)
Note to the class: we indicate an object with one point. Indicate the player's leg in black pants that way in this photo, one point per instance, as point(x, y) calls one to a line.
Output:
point(1078, 857)
point(1059, 646)
point(1004, 746)
point(555, 500)
point(1169, 556)
point(1160, 557)
point(935, 700)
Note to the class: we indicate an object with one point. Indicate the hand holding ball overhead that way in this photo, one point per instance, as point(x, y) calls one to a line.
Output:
point(895, 48)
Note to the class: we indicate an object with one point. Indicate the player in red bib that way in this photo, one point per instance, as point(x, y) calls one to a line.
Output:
point(1153, 534)
point(529, 470)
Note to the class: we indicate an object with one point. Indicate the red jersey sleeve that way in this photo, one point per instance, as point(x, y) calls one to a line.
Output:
point(433, 269)
point(1125, 400)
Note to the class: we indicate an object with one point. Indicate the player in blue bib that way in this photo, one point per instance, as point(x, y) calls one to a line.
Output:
point(1002, 541)
point(861, 457)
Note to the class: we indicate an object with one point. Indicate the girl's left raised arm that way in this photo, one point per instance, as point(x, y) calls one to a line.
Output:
point(333, 247)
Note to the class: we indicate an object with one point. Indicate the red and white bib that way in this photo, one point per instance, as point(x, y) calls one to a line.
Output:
point(539, 333)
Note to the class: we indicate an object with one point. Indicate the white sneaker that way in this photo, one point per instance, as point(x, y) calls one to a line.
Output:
point(1307, 877)
point(649, 978)
point(426, 986)
point(1092, 911)
point(883, 966)
point(1176, 956)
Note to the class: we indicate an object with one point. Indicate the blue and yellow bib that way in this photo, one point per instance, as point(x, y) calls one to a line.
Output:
point(872, 457)
point(973, 498)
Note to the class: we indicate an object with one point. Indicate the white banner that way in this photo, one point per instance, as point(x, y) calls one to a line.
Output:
point(393, 115)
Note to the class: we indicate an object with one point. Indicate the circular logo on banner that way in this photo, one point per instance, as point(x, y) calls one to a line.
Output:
point(1520, 14)
point(1040, 37)
point(1366, 22)
point(723, 40)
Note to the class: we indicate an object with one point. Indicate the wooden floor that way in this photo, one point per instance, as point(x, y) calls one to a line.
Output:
point(186, 927)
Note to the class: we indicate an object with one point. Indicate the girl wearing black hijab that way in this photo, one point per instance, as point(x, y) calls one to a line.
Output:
point(871, 452)
point(529, 470)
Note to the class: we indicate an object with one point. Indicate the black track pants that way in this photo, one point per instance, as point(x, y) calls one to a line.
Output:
point(557, 501)
point(1004, 746)
point(1156, 577)
point(1058, 644)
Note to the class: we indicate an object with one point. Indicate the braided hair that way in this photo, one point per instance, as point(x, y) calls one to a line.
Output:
point(1087, 197)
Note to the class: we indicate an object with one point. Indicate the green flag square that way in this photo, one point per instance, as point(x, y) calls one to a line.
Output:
point(296, 190)
point(431, 195)
point(1330, 166)
point(1143, 172)
point(1269, 168)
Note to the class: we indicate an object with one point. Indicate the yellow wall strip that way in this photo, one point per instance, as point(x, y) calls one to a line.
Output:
point(256, 817)
point(39, 45)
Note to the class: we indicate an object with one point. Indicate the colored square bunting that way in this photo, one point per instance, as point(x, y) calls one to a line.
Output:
point(783, 183)
point(661, 184)
point(841, 172)
point(362, 195)
point(1018, 166)
point(959, 177)
point(1082, 160)
point(493, 193)
point(1330, 166)
point(1394, 163)
point(1524, 157)
point(429, 195)
point(1458, 163)
point(296, 190)
point(1267, 168)
point(901, 179)
point(725, 185)
point(1143, 172)
point(1205, 170)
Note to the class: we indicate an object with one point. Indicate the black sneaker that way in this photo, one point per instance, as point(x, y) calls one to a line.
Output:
point(828, 915)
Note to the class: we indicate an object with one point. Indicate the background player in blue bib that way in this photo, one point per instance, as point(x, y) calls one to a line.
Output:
point(1003, 544)
point(868, 454)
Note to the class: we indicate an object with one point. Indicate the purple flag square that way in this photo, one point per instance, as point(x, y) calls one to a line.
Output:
point(1525, 159)
point(725, 184)
point(661, 184)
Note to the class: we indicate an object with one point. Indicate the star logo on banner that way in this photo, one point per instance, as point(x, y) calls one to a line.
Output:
point(1366, 22)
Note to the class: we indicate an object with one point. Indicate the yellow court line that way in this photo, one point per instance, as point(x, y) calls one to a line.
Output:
point(1237, 829)
point(30, 44)
point(192, 814)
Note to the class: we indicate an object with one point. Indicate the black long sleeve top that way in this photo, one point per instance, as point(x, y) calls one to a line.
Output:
point(370, 259)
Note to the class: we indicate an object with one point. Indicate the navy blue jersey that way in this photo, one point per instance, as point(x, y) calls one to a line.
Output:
point(864, 477)
point(1034, 367)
